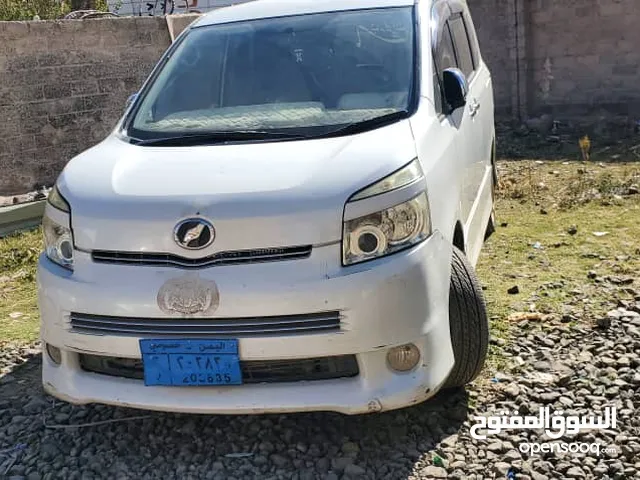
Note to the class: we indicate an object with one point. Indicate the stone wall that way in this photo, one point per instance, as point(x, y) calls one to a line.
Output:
point(63, 87)
point(63, 84)
point(584, 55)
point(567, 58)
point(492, 20)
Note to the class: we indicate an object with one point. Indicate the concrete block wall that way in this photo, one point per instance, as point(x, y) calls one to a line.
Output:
point(567, 58)
point(584, 56)
point(63, 86)
point(493, 22)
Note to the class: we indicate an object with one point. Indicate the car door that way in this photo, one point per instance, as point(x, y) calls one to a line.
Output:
point(445, 56)
point(435, 131)
point(483, 88)
point(477, 134)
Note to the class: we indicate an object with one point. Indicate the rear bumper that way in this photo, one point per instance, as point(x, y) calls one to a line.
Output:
point(388, 302)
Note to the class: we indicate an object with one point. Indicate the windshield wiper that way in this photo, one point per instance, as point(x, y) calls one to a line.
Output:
point(217, 137)
point(212, 138)
point(369, 124)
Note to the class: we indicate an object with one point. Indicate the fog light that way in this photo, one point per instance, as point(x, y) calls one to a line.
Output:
point(403, 358)
point(54, 354)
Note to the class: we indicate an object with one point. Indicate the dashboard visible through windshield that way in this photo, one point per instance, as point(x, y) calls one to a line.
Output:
point(304, 74)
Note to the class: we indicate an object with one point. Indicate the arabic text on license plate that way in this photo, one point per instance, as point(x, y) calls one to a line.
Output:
point(190, 362)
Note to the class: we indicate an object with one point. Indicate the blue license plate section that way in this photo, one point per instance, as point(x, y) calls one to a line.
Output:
point(190, 362)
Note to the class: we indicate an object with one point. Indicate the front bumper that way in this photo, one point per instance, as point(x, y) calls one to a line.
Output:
point(384, 303)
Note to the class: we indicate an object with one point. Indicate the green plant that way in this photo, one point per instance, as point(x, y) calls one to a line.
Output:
point(45, 9)
point(28, 9)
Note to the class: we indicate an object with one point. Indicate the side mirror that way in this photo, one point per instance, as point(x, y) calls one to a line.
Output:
point(131, 99)
point(455, 88)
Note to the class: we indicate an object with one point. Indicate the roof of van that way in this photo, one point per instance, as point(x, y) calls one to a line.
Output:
point(282, 8)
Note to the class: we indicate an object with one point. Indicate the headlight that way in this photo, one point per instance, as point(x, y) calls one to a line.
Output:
point(58, 243)
point(56, 200)
point(406, 175)
point(386, 232)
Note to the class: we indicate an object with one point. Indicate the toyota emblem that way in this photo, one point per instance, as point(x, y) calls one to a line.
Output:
point(194, 234)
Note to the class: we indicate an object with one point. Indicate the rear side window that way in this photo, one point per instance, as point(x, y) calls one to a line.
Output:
point(463, 48)
point(473, 39)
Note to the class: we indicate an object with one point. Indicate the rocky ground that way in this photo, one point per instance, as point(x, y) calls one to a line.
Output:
point(577, 367)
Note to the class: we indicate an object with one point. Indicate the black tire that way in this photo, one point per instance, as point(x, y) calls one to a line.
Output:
point(468, 322)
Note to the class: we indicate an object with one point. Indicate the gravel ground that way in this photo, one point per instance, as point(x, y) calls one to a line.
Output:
point(579, 369)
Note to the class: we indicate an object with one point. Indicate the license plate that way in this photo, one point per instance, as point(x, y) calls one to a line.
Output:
point(190, 362)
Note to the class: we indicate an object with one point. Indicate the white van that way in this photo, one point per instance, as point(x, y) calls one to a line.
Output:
point(286, 218)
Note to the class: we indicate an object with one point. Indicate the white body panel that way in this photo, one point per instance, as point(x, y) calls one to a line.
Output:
point(129, 198)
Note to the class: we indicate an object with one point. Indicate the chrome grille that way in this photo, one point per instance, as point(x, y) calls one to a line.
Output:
point(254, 371)
point(243, 326)
point(221, 258)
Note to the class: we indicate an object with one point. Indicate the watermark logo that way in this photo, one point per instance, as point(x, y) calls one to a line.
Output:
point(555, 426)
point(562, 447)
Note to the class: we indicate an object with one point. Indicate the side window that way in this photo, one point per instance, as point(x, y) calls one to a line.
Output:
point(445, 57)
point(446, 53)
point(463, 49)
point(473, 39)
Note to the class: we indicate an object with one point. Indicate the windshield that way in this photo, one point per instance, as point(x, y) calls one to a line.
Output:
point(305, 73)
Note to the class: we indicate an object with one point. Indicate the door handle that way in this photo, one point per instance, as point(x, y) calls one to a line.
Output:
point(474, 106)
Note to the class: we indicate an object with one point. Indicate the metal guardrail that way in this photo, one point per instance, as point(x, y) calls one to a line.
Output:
point(15, 218)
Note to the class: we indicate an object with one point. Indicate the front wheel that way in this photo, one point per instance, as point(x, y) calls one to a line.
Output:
point(468, 322)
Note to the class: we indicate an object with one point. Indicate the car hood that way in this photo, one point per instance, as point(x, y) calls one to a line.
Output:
point(125, 197)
